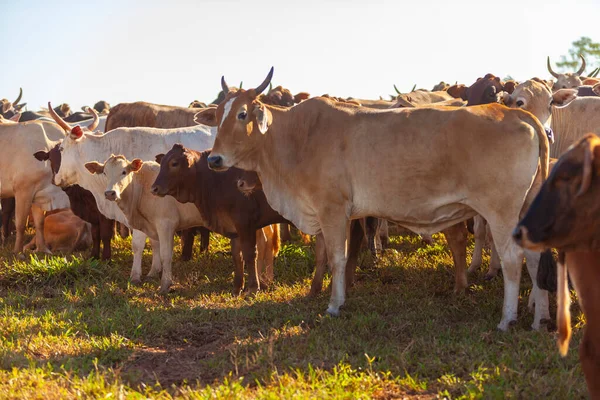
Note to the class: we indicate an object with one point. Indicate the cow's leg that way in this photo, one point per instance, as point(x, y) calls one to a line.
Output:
point(23, 201)
point(495, 265)
point(8, 209)
point(384, 234)
point(156, 260)
point(356, 237)
point(264, 254)
point(371, 228)
point(456, 236)
point(138, 242)
point(321, 265)
point(238, 274)
point(286, 235)
point(538, 296)
point(248, 245)
point(512, 260)
point(165, 247)
point(187, 243)
point(335, 231)
point(204, 238)
point(107, 231)
point(479, 233)
point(38, 222)
point(95, 241)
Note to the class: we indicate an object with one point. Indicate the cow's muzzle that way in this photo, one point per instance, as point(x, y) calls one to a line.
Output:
point(110, 195)
point(215, 162)
point(521, 237)
point(156, 190)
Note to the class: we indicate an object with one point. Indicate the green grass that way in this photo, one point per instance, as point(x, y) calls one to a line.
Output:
point(76, 328)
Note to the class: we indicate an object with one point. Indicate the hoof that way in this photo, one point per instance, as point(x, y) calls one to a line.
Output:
point(136, 281)
point(505, 326)
point(333, 312)
point(153, 274)
point(164, 290)
point(489, 276)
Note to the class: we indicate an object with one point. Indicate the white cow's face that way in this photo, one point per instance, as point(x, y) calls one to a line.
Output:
point(70, 168)
point(567, 81)
point(118, 172)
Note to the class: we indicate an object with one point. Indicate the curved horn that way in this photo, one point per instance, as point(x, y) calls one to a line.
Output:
point(58, 119)
point(224, 85)
point(96, 121)
point(596, 73)
point(270, 87)
point(396, 89)
point(241, 83)
point(582, 66)
point(261, 88)
point(414, 87)
point(591, 74)
point(18, 98)
point(554, 74)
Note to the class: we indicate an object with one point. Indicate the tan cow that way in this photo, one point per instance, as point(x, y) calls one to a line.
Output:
point(151, 115)
point(64, 232)
point(412, 166)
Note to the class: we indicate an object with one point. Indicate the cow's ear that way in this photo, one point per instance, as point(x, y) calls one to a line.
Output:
point(42, 155)
point(509, 86)
point(65, 108)
point(159, 157)
point(94, 167)
point(6, 106)
point(136, 165)
point(301, 96)
point(563, 97)
point(208, 116)
point(16, 117)
point(596, 89)
point(263, 117)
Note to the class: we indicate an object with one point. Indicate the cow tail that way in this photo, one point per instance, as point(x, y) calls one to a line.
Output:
point(275, 239)
point(563, 314)
point(544, 147)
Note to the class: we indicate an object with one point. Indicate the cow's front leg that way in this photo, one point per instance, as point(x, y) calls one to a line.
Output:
point(538, 297)
point(456, 236)
point(156, 259)
point(334, 232)
point(238, 273)
point(138, 242)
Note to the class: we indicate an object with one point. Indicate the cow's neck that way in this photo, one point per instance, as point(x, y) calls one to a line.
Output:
point(278, 163)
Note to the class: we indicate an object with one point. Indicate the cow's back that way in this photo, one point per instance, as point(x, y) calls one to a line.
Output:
point(140, 114)
point(572, 122)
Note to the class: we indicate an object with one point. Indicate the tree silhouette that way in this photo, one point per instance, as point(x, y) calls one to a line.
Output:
point(588, 49)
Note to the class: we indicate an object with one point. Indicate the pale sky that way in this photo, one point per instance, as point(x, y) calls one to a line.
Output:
point(172, 52)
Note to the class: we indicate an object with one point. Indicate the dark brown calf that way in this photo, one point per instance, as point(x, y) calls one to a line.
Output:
point(184, 174)
point(83, 204)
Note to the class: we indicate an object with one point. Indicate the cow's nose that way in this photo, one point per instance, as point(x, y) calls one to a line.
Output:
point(240, 184)
point(110, 195)
point(215, 162)
point(154, 190)
point(518, 234)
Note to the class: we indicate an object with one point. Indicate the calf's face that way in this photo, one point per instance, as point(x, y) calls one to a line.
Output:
point(119, 174)
point(564, 214)
point(173, 168)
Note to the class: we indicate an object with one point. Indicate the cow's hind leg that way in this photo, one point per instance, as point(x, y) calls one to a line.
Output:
point(107, 231)
point(479, 233)
point(248, 245)
point(95, 241)
point(456, 236)
point(138, 242)
point(335, 230)
point(321, 264)
point(156, 259)
point(38, 223)
point(512, 261)
point(23, 203)
point(537, 297)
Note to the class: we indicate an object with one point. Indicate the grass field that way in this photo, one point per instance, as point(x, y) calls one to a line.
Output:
point(74, 328)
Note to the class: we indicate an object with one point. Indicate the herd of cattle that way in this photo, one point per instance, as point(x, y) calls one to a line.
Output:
point(337, 168)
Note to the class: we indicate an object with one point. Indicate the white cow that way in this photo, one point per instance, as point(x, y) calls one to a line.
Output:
point(79, 147)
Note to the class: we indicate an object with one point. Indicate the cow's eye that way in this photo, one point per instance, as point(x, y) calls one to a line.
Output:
point(242, 115)
point(175, 164)
point(124, 173)
point(520, 103)
point(564, 87)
